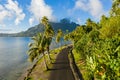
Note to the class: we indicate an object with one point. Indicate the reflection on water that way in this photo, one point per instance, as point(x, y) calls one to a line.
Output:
point(13, 57)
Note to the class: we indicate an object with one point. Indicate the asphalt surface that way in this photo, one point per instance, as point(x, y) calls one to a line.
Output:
point(61, 68)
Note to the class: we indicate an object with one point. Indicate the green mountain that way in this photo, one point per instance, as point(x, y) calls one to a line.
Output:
point(64, 25)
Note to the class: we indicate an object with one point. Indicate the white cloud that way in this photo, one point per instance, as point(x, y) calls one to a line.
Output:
point(3, 13)
point(94, 7)
point(80, 4)
point(14, 8)
point(31, 20)
point(11, 10)
point(78, 20)
point(38, 9)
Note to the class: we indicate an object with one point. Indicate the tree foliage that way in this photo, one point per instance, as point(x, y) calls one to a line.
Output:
point(41, 42)
point(99, 45)
point(59, 35)
point(115, 11)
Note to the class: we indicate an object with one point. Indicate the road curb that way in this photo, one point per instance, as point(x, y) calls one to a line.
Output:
point(73, 66)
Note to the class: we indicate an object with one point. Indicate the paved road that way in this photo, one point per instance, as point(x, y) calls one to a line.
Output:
point(61, 68)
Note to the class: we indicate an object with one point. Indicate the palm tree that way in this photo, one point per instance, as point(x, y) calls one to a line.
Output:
point(48, 34)
point(59, 35)
point(40, 43)
point(36, 48)
point(45, 21)
point(47, 46)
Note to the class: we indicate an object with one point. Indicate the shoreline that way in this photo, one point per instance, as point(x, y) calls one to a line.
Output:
point(24, 73)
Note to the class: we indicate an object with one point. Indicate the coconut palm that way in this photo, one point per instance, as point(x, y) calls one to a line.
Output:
point(47, 46)
point(36, 48)
point(48, 34)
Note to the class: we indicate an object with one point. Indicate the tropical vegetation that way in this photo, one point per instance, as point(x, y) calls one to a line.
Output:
point(97, 46)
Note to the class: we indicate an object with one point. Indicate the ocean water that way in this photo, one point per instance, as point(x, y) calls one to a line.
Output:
point(13, 57)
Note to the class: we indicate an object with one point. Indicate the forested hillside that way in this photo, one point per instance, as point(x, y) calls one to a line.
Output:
point(64, 25)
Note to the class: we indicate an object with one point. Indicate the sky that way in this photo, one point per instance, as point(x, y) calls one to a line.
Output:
point(19, 15)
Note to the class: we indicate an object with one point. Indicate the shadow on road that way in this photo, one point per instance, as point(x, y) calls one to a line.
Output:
point(64, 68)
point(61, 63)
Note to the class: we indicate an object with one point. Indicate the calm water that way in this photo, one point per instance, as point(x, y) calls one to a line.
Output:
point(13, 57)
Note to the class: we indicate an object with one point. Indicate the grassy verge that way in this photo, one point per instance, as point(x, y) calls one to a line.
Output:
point(39, 72)
point(80, 62)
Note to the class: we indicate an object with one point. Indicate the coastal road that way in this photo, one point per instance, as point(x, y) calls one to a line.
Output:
point(61, 68)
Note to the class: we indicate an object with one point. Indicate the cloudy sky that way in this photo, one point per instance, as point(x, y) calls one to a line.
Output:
point(19, 15)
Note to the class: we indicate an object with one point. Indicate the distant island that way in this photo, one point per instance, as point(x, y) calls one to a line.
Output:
point(64, 24)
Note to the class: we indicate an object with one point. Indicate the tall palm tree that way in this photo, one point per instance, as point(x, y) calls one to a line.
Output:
point(48, 34)
point(47, 46)
point(36, 48)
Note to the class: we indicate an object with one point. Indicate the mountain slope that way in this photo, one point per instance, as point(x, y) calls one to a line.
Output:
point(70, 26)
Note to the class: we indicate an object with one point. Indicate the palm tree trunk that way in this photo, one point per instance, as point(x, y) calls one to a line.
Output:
point(49, 55)
point(48, 51)
point(45, 62)
point(60, 44)
point(50, 59)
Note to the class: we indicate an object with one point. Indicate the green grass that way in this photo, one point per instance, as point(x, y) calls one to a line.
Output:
point(80, 62)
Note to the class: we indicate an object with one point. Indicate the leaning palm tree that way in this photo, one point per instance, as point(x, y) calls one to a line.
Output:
point(36, 48)
point(43, 42)
point(47, 46)
point(48, 34)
